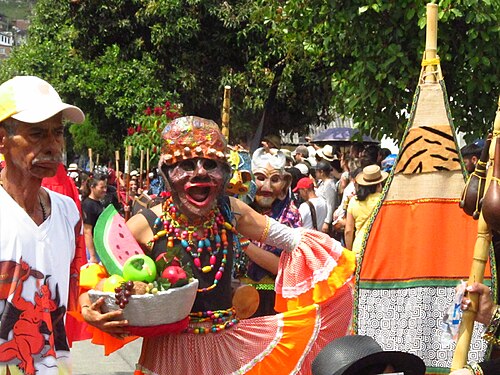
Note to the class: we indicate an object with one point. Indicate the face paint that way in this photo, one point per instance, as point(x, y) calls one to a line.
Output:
point(196, 184)
point(271, 185)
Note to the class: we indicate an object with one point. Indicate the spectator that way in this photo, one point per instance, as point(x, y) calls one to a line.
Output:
point(313, 210)
point(289, 157)
point(471, 154)
point(303, 168)
point(370, 155)
point(382, 154)
point(92, 207)
point(156, 184)
point(388, 162)
point(327, 190)
point(38, 230)
point(326, 153)
point(271, 143)
point(356, 149)
point(301, 155)
point(360, 208)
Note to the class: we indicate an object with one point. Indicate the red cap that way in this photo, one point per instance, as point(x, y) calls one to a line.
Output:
point(304, 183)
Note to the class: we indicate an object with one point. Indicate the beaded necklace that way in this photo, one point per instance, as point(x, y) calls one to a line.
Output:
point(220, 320)
point(176, 227)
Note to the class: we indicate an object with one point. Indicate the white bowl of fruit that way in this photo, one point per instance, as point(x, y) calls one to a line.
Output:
point(148, 299)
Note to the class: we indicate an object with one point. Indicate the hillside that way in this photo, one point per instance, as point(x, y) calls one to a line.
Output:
point(16, 9)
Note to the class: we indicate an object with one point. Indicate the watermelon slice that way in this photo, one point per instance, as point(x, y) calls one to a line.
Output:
point(113, 241)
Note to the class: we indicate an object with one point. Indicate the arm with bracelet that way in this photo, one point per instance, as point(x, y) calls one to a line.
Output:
point(312, 266)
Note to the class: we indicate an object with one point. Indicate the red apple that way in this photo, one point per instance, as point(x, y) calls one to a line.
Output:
point(173, 274)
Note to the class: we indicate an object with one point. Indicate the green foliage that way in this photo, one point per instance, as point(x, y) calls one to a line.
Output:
point(15, 10)
point(296, 62)
point(372, 52)
point(86, 136)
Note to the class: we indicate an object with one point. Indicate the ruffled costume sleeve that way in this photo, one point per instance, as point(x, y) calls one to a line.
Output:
point(312, 267)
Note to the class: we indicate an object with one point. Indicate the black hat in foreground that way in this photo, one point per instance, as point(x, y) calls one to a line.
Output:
point(354, 355)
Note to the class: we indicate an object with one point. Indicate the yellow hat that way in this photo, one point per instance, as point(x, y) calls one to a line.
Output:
point(31, 99)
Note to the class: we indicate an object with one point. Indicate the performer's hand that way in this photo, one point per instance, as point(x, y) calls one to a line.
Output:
point(325, 228)
point(485, 304)
point(112, 322)
point(462, 371)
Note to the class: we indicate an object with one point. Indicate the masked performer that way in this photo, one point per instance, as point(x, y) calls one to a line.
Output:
point(273, 198)
point(312, 288)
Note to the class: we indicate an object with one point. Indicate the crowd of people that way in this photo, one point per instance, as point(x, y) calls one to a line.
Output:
point(296, 242)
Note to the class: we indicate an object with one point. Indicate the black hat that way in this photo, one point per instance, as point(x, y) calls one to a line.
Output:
point(350, 355)
point(473, 149)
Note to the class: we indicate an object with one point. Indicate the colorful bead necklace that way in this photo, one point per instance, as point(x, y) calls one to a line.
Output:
point(176, 227)
point(221, 319)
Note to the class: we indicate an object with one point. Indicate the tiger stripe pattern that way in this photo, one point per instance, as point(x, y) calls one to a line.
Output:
point(428, 149)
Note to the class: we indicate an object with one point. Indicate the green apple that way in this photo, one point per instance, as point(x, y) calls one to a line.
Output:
point(112, 282)
point(139, 268)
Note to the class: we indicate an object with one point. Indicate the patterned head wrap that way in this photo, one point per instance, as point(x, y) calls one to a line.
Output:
point(192, 137)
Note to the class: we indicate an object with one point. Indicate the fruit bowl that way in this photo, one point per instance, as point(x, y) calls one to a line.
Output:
point(146, 310)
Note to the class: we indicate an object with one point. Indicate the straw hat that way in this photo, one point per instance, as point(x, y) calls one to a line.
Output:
point(73, 167)
point(326, 153)
point(371, 175)
point(350, 355)
point(273, 140)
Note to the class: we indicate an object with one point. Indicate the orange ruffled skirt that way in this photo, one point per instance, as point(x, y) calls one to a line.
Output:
point(285, 343)
point(315, 299)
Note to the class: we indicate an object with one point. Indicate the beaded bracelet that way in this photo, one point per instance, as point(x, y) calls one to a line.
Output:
point(474, 368)
point(263, 237)
point(492, 327)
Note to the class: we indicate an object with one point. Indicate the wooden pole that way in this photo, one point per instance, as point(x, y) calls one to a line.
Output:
point(91, 163)
point(127, 183)
point(431, 43)
point(147, 168)
point(141, 167)
point(97, 159)
point(117, 172)
point(479, 259)
point(226, 107)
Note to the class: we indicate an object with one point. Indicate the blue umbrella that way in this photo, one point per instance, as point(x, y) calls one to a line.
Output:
point(342, 135)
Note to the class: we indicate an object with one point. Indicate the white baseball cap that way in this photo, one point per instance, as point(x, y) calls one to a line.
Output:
point(31, 99)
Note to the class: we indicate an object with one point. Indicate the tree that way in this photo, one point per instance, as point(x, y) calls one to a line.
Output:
point(291, 63)
point(371, 51)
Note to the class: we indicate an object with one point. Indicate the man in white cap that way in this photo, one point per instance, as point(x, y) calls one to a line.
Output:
point(38, 229)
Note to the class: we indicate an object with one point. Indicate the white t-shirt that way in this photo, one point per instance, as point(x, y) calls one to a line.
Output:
point(305, 213)
point(35, 265)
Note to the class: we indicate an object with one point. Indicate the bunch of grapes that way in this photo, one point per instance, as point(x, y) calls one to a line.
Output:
point(122, 293)
point(153, 287)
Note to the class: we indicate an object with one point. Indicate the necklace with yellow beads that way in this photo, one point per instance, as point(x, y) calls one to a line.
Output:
point(175, 227)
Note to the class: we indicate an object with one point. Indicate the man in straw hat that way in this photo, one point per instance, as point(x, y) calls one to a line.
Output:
point(38, 230)
point(327, 153)
point(360, 208)
point(194, 165)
